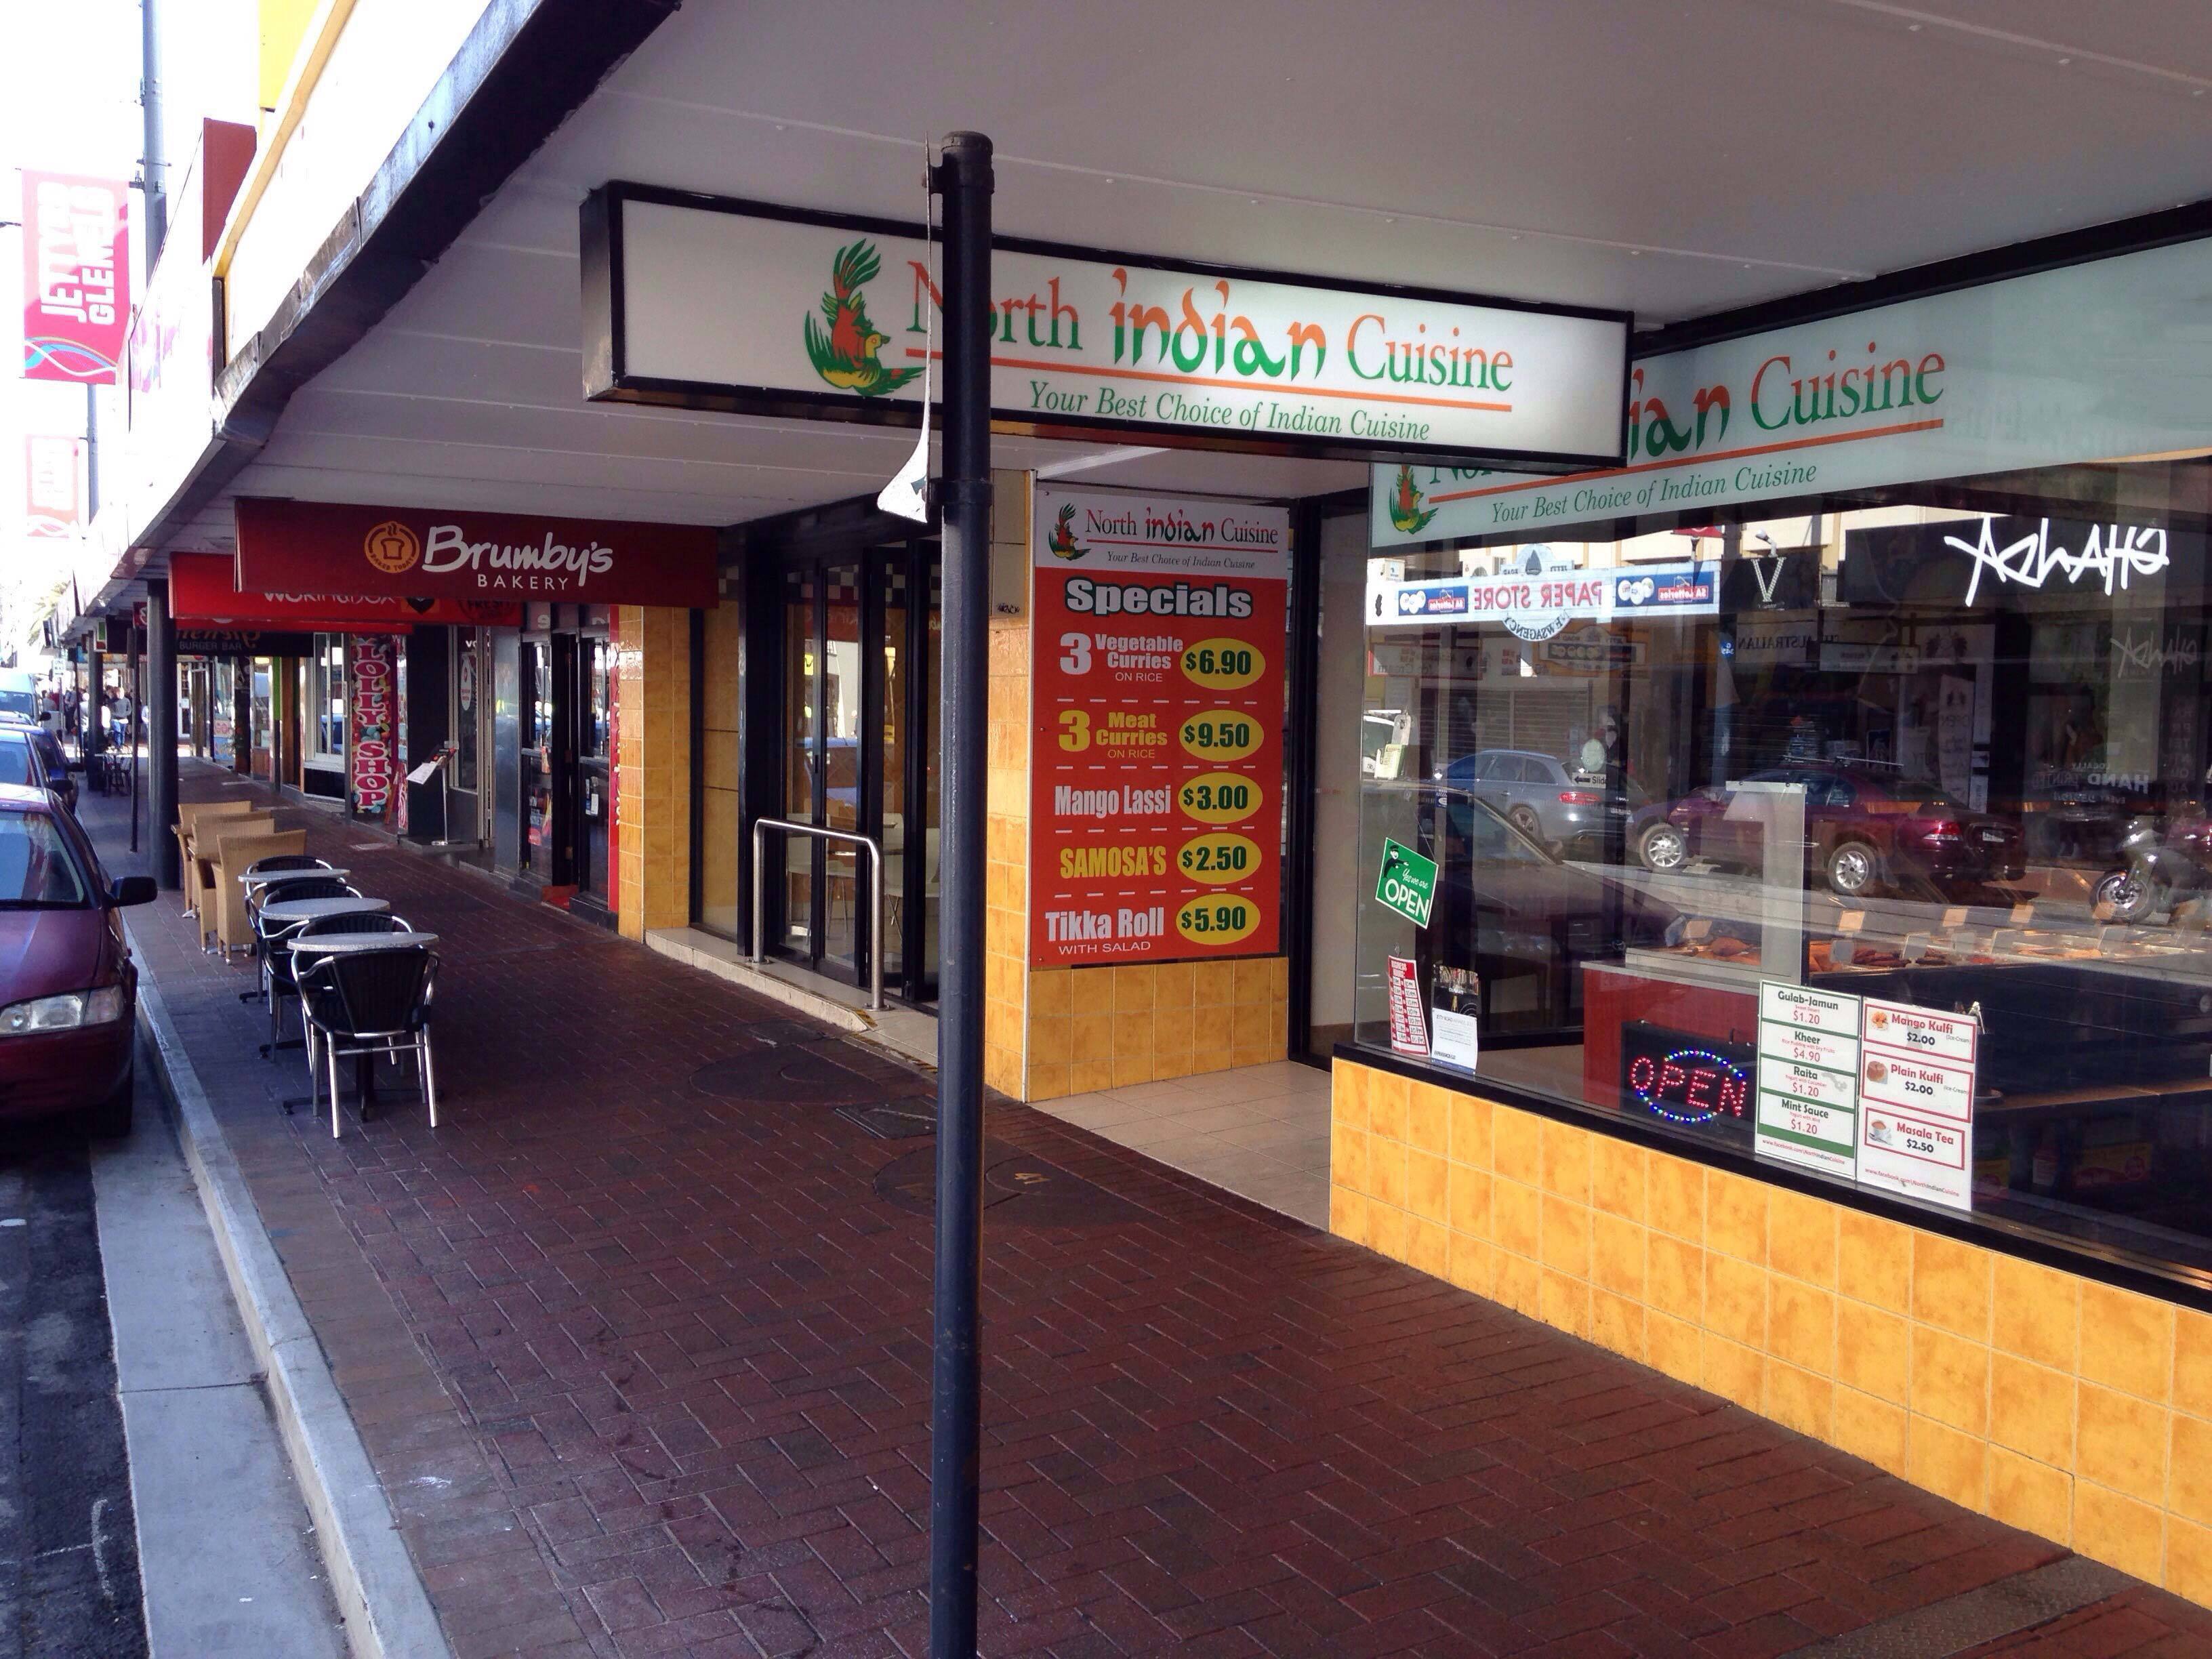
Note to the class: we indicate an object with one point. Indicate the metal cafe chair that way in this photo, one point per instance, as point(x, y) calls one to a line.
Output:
point(381, 922)
point(268, 937)
point(362, 1004)
point(280, 964)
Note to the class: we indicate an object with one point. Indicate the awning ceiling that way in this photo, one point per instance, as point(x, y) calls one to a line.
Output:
point(1674, 160)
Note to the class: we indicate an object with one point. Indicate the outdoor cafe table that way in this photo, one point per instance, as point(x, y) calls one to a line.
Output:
point(252, 879)
point(308, 909)
point(338, 945)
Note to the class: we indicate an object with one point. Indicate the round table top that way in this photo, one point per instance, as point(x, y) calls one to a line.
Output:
point(307, 909)
point(262, 877)
point(331, 944)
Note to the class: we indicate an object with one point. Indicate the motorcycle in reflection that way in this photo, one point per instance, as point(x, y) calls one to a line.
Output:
point(2161, 867)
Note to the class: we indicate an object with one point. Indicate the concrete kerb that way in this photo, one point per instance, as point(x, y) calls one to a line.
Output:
point(372, 1578)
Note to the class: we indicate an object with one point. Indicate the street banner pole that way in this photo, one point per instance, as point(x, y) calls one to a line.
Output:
point(962, 178)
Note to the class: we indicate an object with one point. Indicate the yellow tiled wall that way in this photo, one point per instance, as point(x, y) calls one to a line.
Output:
point(719, 902)
point(653, 718)
point(1104, 1027)
point(1006, 802)
point(2055, 1404)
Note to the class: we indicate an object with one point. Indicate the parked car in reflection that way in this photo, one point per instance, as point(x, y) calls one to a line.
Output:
point(68, 987)
point(1866, 828)
point(32, 757)
point(1543, 798)
point(1523, 920)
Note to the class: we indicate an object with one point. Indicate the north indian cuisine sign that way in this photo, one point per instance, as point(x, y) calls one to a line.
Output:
point(692, 300)
point(1157, 766)
point(425, 553)
point(2032, 371)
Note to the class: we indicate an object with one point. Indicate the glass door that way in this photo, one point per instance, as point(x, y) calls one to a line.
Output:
point(860, 679)
point(463, 768)
point(538, 758)
point(594, 791)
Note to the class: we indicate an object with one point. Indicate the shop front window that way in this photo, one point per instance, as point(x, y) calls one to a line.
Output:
point(326, 702)
point(1872, 840)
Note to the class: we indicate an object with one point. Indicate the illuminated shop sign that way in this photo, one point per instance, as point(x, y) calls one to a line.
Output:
point(694, 299)
point(1975, 381)
point(1684, 1080)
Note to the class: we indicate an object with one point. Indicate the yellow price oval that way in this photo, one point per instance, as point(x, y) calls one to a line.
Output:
point(1219, 798)
point(1223, 665)
point(1217, 919)
point(1219, 858)
point(1220, 734)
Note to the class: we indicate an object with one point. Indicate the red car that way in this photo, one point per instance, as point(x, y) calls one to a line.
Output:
point(68, 986)
point(1865, 827)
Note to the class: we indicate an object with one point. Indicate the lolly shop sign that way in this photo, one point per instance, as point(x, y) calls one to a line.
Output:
point(1157, 769)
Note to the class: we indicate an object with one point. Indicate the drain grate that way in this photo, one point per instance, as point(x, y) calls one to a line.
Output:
point(797, 1076)
point(1017, 1186)
point(785, 1032)
point(897, 1119)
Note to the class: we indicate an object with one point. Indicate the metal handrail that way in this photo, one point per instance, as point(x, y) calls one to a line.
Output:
point(875, 888)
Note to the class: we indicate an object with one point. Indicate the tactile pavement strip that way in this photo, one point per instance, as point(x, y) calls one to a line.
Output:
point(1967, 1620)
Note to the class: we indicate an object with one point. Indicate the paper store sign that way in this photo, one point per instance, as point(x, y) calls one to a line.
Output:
point(1808, 1059)
point(1916, 1102)
point(1539, 600)
point(1157, 762)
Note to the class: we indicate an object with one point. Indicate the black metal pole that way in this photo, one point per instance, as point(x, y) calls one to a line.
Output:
point(162, 734)
point(962, 178)
point(134, 698)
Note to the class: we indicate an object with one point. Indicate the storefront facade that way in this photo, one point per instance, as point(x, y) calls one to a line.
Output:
point(1739, 845)
point(1787, 964)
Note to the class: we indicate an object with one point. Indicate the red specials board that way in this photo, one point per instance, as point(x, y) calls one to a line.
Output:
point(436, 553)
point(1157, 763)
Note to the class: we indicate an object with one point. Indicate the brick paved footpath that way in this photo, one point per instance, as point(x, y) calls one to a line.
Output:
point(645, 1368)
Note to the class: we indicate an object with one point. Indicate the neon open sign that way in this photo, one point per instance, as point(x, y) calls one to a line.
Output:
point(1675, 1078)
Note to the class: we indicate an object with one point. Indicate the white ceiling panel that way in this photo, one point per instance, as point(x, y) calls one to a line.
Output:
point(1673, 160)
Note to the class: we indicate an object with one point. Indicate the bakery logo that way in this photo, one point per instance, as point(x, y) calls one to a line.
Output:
point(392, 548)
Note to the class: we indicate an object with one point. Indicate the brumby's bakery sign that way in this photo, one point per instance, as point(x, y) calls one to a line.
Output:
point(428, 553)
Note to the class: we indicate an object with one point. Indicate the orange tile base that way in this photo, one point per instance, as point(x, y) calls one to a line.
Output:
point(2056, 1404)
